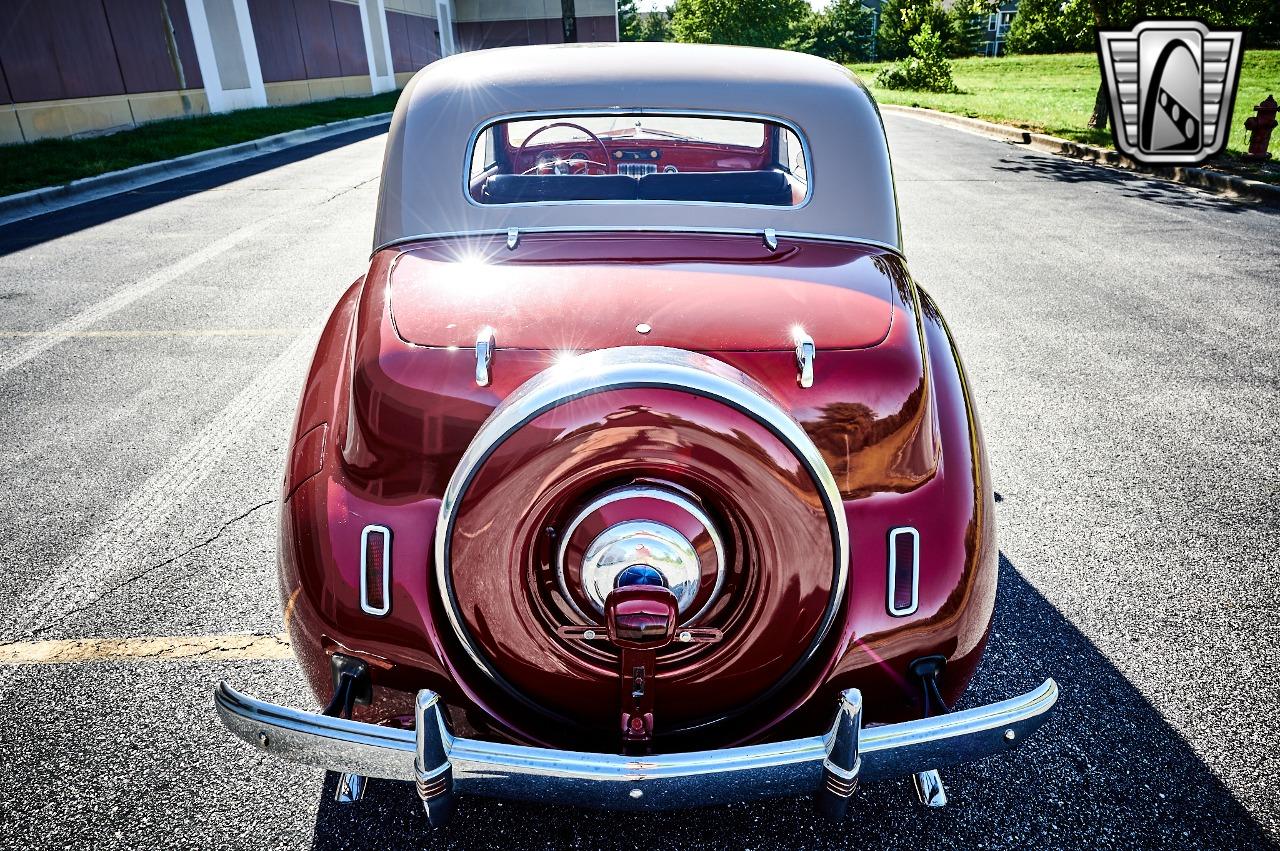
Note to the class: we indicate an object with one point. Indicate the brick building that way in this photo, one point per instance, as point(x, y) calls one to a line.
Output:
point(69, 67)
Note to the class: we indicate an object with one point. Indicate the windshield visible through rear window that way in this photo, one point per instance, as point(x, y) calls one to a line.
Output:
point(640, 157)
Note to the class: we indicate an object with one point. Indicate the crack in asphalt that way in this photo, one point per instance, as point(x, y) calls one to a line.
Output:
point(44, 628)
point(348, 189)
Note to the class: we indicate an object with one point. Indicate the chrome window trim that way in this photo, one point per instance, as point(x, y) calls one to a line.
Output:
point(574, 229)
point(626, 367)
point(365, 607)
point(893, 571)
point(645, 492)
point(620, 110)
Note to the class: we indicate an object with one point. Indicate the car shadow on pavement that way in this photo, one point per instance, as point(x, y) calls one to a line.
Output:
point(26, 233)
point(1108, 771)
point(1133, 184)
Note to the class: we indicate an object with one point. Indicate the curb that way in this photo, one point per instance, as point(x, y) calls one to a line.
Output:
point(35, 202)
point(1211, 181)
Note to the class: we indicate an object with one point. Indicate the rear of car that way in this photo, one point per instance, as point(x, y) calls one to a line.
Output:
point(636, 471)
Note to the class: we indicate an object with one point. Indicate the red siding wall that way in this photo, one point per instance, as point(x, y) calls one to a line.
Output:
point(319, 45)
point(398, 35)
point(598, 28)
point(307, 39)
point(424, 41)
point(54, 49)
point(58, 49)
point(415, 41)
point(138, 31)
point(475, 35)
point(349, 39)
point(275, 29)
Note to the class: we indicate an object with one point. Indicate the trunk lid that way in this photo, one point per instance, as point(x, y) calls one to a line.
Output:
point(703, 292)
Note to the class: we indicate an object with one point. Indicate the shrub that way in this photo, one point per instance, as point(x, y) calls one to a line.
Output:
point(926, 69)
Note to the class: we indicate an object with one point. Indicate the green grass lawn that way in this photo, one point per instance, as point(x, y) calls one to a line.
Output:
point(52, 162)
point(1054, 94)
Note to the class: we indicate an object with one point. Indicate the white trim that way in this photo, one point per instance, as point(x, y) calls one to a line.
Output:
point(375, 12)
point(220, 99)
point(444, 21)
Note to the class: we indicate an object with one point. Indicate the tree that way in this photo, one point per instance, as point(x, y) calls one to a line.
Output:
point(628, 21)
point(655, 26)
point(902, 19)
point(1051, 26)
point(759, 23)
point(842, 32)
point(968, 21)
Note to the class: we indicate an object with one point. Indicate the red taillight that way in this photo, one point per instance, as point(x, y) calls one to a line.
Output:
point(904, 571)
point(375, 570)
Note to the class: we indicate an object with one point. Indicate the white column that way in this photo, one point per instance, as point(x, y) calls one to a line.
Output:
point(377, 45)
point(227, 53)
point(444, 19)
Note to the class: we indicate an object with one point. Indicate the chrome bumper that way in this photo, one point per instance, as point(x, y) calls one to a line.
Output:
point(442, 764)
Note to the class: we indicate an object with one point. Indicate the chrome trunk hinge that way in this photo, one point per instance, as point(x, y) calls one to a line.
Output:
point(485, 344)
point(805, 354)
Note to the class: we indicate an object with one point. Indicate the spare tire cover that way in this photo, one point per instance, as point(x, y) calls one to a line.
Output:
point(668, 419)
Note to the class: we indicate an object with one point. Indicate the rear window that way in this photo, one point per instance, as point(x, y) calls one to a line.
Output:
point(640, 157)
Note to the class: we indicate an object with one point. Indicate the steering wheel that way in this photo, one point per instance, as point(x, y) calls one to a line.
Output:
point(604, 169)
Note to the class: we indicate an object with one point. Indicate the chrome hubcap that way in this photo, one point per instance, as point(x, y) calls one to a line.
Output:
point(641, 544)
point(641, 550)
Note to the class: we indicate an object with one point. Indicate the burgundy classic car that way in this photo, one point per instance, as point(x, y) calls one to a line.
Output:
point(636, 471)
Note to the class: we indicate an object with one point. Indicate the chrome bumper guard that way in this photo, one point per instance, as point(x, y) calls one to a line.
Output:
point(828, 766)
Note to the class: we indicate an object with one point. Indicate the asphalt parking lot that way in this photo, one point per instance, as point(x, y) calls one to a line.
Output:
point(1121, 336)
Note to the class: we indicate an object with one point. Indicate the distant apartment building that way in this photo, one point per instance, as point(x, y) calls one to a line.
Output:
point(70, 67)
point(994, 25)
point(998, 22)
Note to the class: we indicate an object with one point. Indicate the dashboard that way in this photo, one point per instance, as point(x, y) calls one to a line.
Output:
point(636, 157)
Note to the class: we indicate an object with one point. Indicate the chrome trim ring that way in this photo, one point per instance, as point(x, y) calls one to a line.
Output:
point(627, 367)
point(365, 606)
point(910, 608)
point(684, 596)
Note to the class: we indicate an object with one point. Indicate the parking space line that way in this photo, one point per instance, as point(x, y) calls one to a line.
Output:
point(234, 647)
point(162, 332)
point(121, 299)
point(84, 577)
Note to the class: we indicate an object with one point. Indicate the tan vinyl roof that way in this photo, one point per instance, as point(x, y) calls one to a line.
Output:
point(423, 189)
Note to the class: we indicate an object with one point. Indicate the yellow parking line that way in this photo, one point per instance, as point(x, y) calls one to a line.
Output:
point(162, 332)
point(164, 648)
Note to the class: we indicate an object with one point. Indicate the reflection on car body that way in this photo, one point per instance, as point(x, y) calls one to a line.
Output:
point(633, 488)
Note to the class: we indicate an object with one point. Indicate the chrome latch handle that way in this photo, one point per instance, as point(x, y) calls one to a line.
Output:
point(806, 352)
point(485, 345)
